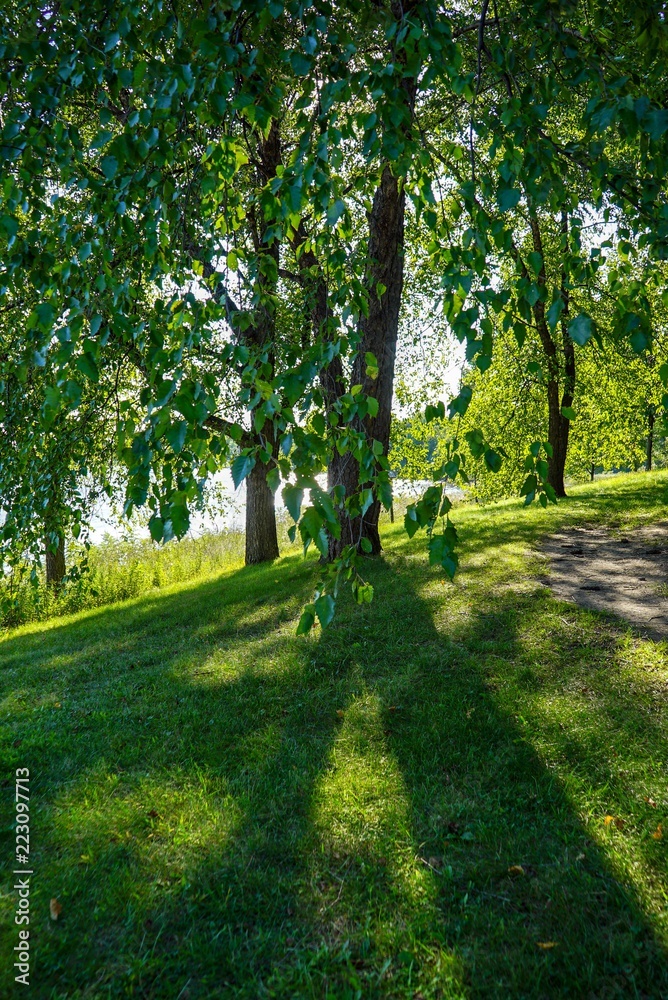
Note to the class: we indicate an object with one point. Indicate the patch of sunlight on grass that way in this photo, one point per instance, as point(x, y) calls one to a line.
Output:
point(367, 859)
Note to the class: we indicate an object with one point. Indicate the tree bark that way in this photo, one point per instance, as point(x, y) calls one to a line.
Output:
point(557, 435)
point(592, 472)
point(55, 564)
point(557, 400)
point(378, 331)
point(650, 437)
point(261, 536)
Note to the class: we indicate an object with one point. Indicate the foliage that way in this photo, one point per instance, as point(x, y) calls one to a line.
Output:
point(128, 185)
point(609, 424)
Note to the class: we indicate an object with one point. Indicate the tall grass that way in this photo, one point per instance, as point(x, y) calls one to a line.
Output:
point(119, 569)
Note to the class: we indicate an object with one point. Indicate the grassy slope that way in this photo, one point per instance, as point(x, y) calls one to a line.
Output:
point(225, 810)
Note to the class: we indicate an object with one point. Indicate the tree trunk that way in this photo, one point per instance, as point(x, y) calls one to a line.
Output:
point(650, 437)
point(55, 564)
point(379, 331)
point(558, 424)
point(261, 537)
point(592, 472)
point(558, 430)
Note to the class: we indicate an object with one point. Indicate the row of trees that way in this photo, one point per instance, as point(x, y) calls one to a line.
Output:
point(212, 220)
point(617, 421)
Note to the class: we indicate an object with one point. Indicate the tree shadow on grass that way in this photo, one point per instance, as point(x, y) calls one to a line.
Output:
point(225, 810)
point(514, 864)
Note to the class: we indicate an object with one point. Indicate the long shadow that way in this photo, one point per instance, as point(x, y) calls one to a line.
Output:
point(472, 770)
point(227, 811)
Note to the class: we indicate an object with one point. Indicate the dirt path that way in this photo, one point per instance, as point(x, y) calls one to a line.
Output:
point(625, 574)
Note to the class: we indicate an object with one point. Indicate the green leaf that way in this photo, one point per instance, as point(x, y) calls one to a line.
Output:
point(411, 523)
point(460, 404)
point(580, 329)
point(156, 528)
point(292, 498)
point(554, 312)
point(493, 460)
point(273, 479)
point(51, 404)
point(568, 412)
point(434, 412)
point(86, 365)
point(101, 139)
point(301, 64)
point(325, 607)
point(307, 620)
point(312, 530)
point(241, 466)
point(371, 365)
point(45, 314)
point(372, 406)
point(334, 212)
point(535, 262)
point(10, 226)
point(109, 166)
point(176, 435)
point(363, 593)
point(639, 341)
point(657, 123)
point(508, 198)
point(530, 486)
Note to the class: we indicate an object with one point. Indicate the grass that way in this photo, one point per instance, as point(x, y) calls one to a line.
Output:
point(119, 569)
point(406, 806)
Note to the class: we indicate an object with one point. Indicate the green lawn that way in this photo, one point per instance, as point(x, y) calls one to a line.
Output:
point(226, 810)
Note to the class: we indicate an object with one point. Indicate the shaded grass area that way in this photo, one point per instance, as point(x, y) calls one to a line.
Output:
point(408, 805)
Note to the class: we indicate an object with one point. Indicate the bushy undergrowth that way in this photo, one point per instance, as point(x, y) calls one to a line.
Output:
point(119, 569)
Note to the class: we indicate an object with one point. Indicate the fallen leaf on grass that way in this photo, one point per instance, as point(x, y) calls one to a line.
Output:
point(55, 909)
point(546, 945)
point(340, 713)
point(614, 821)
point(658, 833)
point(516, 870)
point(650, 802)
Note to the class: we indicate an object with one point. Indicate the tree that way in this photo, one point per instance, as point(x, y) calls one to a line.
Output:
point(127, 178)
point(608, 421)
